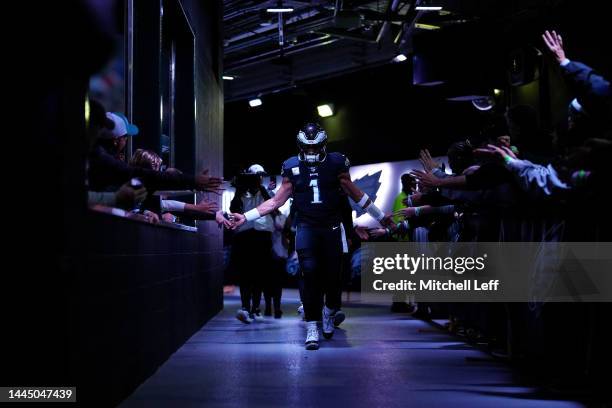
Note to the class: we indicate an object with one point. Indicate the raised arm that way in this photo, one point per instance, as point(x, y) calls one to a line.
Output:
point(265, 208)
point(429, 180)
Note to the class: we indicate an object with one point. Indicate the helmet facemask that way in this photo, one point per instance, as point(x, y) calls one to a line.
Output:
point(312, 155)
point(312, 141)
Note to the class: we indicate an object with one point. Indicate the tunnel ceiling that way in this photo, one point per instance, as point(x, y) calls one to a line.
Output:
point(324, 38)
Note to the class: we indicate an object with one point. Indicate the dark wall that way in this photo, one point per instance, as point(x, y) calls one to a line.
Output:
point(101, 302)
point(205, 17)
point(145, 291)
point(148, 288)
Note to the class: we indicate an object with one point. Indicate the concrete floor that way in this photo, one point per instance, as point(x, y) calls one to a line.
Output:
point(376, 359)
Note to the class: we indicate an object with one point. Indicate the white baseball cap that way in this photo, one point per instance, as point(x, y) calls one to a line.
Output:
point(256, 169)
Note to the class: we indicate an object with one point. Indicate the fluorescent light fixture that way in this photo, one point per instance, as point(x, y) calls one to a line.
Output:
point(427, 26)
point(428, 8)
point(400, 58)
point(229, 77)
point(255, 102)
point(325, 110)
point(280, 10)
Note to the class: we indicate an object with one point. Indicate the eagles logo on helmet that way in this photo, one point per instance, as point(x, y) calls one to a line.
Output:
point(312, 141)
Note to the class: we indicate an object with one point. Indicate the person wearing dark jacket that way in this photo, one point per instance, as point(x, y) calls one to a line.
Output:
point(591, 89)
point(107, 172)
point(252, 246)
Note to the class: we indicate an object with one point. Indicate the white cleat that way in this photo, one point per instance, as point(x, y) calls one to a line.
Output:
point(257, 316)
point(243, 316)
point(312, 336)
point(328, 322)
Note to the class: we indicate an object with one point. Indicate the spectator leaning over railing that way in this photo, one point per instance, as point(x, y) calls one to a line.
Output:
point(204, 210)
point(107, 172)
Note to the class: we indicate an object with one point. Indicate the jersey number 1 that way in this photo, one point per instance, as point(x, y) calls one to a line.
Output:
point(314, 183)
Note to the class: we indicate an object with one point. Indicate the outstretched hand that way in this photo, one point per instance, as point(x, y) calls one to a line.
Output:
point(204, 182)
point(425, 179)
point(377, 232)
point(387, 221)
point(128, 197)
point(427, 161)
point(407, 212)
point(237, 220)
point(501, 153)
point(362, 233)
point(207, 206)
point(554, 43)
point(222, 221)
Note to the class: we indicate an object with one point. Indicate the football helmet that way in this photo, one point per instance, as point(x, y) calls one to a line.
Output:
point(312, 142)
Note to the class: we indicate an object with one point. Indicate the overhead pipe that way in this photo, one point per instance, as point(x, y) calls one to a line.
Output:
point(305, 81)
point(264, 37)
point(270, 55)
point(393, 4)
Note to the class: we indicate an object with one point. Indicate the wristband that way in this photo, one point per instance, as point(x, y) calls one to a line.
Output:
point(508, 160)
point(579, 177)
point(363, 201)
point(252, 215)
point(375, 212)
point(417, 211)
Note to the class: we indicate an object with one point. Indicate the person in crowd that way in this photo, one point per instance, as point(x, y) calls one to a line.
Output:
point(126, 197)
point(402, 200)
point(107, 172)
point(592, 91)
point(252, 245)
point(273, 288)
point(204, 210)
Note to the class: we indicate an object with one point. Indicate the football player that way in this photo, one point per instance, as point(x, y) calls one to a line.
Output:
point(319, 182)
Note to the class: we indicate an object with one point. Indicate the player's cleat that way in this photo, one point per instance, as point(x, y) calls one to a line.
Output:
point(328, 322)
point(339, 317)
point(256, 315)
point(312, 336)
point(243, 316)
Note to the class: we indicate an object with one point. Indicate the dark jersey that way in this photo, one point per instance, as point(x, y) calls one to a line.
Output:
point(317, 195)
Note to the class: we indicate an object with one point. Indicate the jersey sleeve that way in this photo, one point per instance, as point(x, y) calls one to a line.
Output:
point(290, 168)
point(285, 170)
point(344, 164)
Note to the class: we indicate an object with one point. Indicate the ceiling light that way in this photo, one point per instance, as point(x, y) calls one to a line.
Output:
point(400, 58)
point(255, 102)
point(325, 110)
point(428, 8)
point(280, 10)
